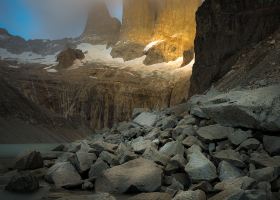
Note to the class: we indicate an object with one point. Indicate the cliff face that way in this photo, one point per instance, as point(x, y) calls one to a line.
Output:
point(171, 22)
point(223, 29)
point(101, 23)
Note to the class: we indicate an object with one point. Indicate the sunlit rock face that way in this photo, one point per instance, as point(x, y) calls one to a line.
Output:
point(170, 22)
point(223, 29)
point(101, 23)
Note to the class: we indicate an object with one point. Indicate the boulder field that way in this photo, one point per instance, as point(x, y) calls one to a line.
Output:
point(183, 152)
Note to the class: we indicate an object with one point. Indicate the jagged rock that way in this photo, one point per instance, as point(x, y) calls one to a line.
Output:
point(139, 145)
point(100, 146)
point(214, 29)
point(60, 147)
point(82, 161)
point(167, 122)
point(125, 154)
point(228, 171)
point(204, 186)
point(139, 175)
point(268, 174)
point(127, 50)
point(176, 162)
point(151, 153)
point(74, 147)
point(196, 111)
point(230, 156)
point(151, 196)
point(97, 168)
point(214, 132)
point(87, 185)
point(146, 119)
point(239, 136)
point(109, 158)
point(191, 140)
point(23, 183)
point(230, 194)
point(154, 134)
point(63, 174)
point(172, 149)
point(243, 183)
point(265, 160)
point(29, 161)
point(183, 179)
point(199, 167)
point(251, 143)
point(190, 195)
point(64, 157)
point(246, 108)
point(256, 195)
point(67, 57)
point(187, 120)
point(271, 144)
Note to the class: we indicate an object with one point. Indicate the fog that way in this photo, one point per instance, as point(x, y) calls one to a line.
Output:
point(49, 19)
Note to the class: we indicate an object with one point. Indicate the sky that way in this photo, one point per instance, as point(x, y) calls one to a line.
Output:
point(49, 19)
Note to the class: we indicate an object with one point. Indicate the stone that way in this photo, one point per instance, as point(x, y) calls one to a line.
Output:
point(191, 140)
point(168, 122)
point(246, 108)
point(230, 156)
point(63, 174)
point(183, 179)
point(29, 161)
point(97, 168)
point(197, 112)
point(146, 119)
point(97, 196)
point(251, 143)
point(239, 136)
point(139, 145)
point(67, 57)
point(87, 185)
point(204, 186)
point(228, 171)
point(125, 154)
point(100, 146)
point(154, 134)
point(268, 174)
point(199, 167)
point(82, 161)
point(190, 195)
point(243, 183)
point(127, 50)
point(230, 194)
point(23, 183)
point(256, 195)
point(271, 144)
point(151, 196)
point(177, 162)
point(109, 158)
point(60, 147)
point(137, 175)
point(265, 160)
point(153, 154)
point(214, 132)
point(172, 148)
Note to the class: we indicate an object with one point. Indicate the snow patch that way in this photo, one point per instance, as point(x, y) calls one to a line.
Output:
point(14, 67)
point(52, 70)
point(152, 44)
point(93, 77)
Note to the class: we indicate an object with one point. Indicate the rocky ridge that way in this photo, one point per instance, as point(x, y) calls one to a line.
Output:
point(177, 153)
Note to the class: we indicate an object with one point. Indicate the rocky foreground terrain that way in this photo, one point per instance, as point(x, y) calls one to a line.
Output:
point(216, 146)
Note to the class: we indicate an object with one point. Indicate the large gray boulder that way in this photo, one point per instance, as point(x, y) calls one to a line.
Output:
point(63, 174)
point(29, 161)
point(136, 175)
point(214, 132)
point(199, 167)
point(146, 119)
point(172, 149)
point(228, 171)
point(271, 144)
point(256, 108)
point(83, 161)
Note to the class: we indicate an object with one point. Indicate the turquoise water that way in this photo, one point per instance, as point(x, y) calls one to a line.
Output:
point(12, 150)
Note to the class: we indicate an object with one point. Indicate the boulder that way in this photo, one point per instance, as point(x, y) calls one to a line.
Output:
point(190, 195)
point(63, 174)
point(97, 168)
point(214, 132)
point(97, 196)
point(230, 156)
point(265, 160)
point(246, 108)
point(228, 171)
point(239, 136)
point(230, 194)
point(67, 57)
point(243, 183)
point(146, 119)
point(23, 183)
point(137, 175)
point(271, 144)
point(100, 146)
point(248, 144)
point(191, 140)
point(29, 161)
point(268, 174)
point(109, 158)
point(125, 154)
point(199, 167)
point(172, 149)
point(151, 196)
point(153, 154)
point(82, 161)
point(177, 162)
point(127, 50)
point(139, 145)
